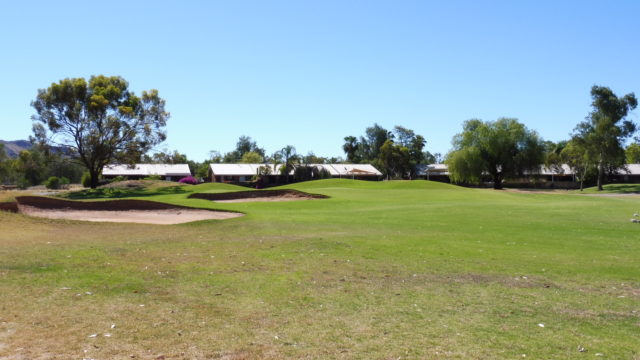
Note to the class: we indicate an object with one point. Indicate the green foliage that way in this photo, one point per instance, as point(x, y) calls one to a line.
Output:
point(30, 166)
point(605, 129)
point(576, 156)
point(100, 120)
point(632, 153)
point(311, 158)
point(394, 160)
point(117, 179)
point(52, 183)
point(350, 148)
point(243, 146)
point(288, 156)
point(153, 177)
point(202, 171)
point(86, 179)
point(552, 156)
point(251, 157)
point(502, 148)
point(396, 153)
point(23, 183)
point(5, 165)
point(162, 157)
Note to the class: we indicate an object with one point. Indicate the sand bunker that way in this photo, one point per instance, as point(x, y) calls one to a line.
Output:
point(258, 195)
point(131, 211)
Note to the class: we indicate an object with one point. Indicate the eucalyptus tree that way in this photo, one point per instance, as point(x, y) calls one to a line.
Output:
point(605, 129)
point(100, 120)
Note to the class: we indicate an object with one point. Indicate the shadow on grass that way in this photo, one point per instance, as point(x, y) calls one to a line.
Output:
point(623, 188)
point(118, 193)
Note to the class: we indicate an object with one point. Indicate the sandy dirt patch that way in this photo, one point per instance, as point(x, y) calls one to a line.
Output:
point(130, 211)
point(164, 217)
point(258, 195)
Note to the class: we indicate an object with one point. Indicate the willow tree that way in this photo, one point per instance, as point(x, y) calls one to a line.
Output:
point(499, 149)
point(100, 121)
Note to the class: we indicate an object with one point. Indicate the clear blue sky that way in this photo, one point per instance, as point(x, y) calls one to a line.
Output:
point(308, 73)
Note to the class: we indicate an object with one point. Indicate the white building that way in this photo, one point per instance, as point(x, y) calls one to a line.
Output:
point(245, 172)
point(171, 172)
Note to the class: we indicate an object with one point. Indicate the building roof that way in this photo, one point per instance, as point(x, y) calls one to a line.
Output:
point(442, 169)
point(239, 169)
point(433, 169)
point(333, 169)
point(630, 169)
point(350, 169)
point(146, 170)
point(563, 170)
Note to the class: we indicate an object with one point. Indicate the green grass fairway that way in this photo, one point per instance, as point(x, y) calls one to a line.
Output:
point(381, 270)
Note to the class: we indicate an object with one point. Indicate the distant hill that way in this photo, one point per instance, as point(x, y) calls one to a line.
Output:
point(13, 148)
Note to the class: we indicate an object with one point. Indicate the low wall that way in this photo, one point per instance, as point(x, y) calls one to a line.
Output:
point(109, 205)
point(9, 206)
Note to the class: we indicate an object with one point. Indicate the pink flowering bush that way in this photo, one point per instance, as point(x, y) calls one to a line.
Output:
point(189, 180)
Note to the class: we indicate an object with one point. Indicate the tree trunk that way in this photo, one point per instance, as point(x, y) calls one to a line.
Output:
point(94, 178)
point(497, 182)
point(600, 175)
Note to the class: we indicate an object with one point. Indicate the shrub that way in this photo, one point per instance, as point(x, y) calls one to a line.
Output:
point(64, 181)
point(86, 179)
point(52, 183)
point(189, 180)
point(153, 177)
point(23, 184)
point(118, 178)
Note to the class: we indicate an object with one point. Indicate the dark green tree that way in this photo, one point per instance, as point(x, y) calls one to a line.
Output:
point(394, 159)
point(100, 120)
point(501, 148)
point(30, 167)
point(4, 165)
point(243, 146)
point(350, 148)
point(605, 129)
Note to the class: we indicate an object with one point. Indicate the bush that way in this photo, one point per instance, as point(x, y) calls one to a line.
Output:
point(189, 180)
point(23, 184)
point(64, 181)
point(118, 178)
point(153, 177)
point(52, 183)
point(86, 179)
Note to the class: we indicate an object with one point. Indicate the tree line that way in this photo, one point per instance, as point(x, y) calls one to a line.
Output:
point(79, 126)
point(506, 148)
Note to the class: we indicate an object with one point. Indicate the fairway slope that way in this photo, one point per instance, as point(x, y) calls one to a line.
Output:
point(378, 270)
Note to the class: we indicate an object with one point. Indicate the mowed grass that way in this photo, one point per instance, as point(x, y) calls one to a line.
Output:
point(615, 189)
point(381, 270)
